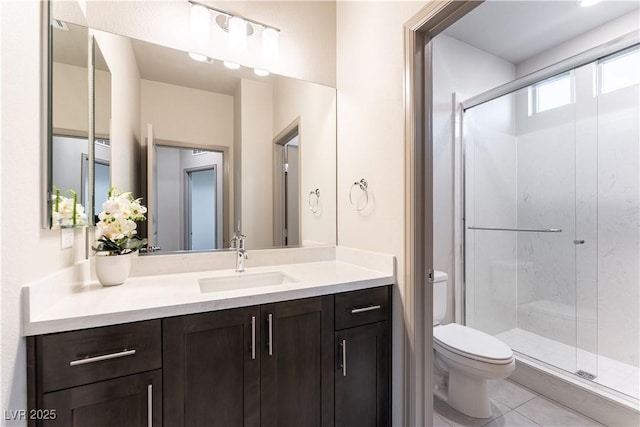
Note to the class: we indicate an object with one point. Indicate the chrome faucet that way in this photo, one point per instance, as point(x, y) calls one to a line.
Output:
point(237, 242)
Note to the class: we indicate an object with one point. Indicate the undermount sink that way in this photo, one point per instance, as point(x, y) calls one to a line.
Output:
point(243, 281)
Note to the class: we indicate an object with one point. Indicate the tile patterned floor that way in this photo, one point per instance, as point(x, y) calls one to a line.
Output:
point(512, 405)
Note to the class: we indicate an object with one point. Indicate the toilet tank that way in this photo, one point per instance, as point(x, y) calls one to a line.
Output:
point(439, 296)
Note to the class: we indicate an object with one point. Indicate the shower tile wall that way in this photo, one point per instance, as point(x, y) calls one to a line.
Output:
point(619, 225)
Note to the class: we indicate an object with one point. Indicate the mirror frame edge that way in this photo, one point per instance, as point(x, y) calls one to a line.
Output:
point(46, 113)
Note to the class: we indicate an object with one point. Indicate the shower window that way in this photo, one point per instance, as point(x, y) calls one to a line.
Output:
point(620, 70)
point(551, 93)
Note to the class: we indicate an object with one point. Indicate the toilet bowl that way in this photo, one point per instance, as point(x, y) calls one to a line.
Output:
point(470, 358)
point(467, 357)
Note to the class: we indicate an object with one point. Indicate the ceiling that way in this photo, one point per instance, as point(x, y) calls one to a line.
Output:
point(518, 30)
point(155, 62)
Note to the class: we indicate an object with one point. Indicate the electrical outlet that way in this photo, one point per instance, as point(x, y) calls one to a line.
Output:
point(66, 238)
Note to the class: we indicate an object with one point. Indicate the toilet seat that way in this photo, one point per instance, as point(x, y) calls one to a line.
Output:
point(473, 344)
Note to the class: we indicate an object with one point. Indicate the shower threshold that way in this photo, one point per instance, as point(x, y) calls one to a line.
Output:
point(612, 374)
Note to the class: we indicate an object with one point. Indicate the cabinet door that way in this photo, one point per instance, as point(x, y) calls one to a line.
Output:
point(134, 400)
point(362, 376)
point(297, 363)
point(211, 369)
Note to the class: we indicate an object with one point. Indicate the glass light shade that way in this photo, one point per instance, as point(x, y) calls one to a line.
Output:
point(231, 65)
point(200, 22)
point(237, 34)
point(261, 73)
point(270, 44)
point(200, 57)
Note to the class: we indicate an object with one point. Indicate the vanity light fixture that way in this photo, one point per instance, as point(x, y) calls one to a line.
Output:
point(261, 73)
point(200, 22)
point(238, 28)
point(200, 58)
point(231, 65)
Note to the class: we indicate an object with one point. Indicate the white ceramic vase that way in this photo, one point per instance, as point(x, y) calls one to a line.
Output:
point(113, 270)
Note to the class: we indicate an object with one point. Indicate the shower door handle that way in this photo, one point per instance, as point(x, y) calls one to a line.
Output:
point(578, 242)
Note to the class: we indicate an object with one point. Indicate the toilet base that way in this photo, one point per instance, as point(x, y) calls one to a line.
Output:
point(469, 395)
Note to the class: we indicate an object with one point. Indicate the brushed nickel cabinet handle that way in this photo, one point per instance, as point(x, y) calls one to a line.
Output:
point(270, 341)
point(253, 337)
point(86, 360)
point(364, 309)
point(343, 344)
point(150, 405)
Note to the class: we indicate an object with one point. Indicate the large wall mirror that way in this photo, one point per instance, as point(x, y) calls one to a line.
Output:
point(210, 149)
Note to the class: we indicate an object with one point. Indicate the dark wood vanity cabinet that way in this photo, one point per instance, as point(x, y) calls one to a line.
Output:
point(297, 363)
point(319, 361)
point(362, 372)
point(269, 365)
point(212, 369)
point(96, 377)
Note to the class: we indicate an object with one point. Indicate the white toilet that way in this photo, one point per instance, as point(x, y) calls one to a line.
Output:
point(467, 357)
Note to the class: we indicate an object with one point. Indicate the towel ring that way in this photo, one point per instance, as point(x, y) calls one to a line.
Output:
point(314, 196)
point(363, 185)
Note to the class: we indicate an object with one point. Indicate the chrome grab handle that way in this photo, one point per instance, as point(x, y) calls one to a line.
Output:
point(253, 337)
point(270, 341)
point(529, 230)
point(86, 360)
point(343, 344)
point(363, 309)
point(150, 405)
point(578, 242)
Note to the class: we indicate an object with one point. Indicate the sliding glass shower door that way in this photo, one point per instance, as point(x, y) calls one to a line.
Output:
point(552, 221)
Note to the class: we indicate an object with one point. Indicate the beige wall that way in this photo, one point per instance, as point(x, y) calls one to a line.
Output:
point(370, 55)
point(188, 115)
point(27, 252)
point(70, 108)
point(256, 110)
point(125, 110)
point(315, 106)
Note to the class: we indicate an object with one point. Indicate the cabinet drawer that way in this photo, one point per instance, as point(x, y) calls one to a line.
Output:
point(74, 358)
point(361, 307)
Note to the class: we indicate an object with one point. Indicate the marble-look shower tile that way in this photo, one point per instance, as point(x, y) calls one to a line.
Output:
point(510, 394)
point(547, 413)
point(458, 419)
point(512, 419)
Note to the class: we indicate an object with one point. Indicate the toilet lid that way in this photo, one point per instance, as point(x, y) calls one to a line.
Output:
point(472, 343)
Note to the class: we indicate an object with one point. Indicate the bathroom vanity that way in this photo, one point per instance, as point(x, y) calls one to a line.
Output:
point(313, 351)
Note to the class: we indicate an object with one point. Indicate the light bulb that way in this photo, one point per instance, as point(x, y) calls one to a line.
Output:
point(200, 21)
point(270, 44)
point(237, 34)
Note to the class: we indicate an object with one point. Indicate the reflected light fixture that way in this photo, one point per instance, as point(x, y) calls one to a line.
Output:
point(200, 58)
point(270, 44)
point(200, 22)
point(261, 73)
point(231, 65)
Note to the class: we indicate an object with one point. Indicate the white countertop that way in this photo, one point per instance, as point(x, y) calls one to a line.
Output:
point(51, 309)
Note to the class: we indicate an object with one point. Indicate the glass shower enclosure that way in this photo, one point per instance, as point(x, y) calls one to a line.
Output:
point(552, 220)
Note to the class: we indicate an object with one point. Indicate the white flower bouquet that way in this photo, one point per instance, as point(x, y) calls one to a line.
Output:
point(66, 211)
point(116, 231)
